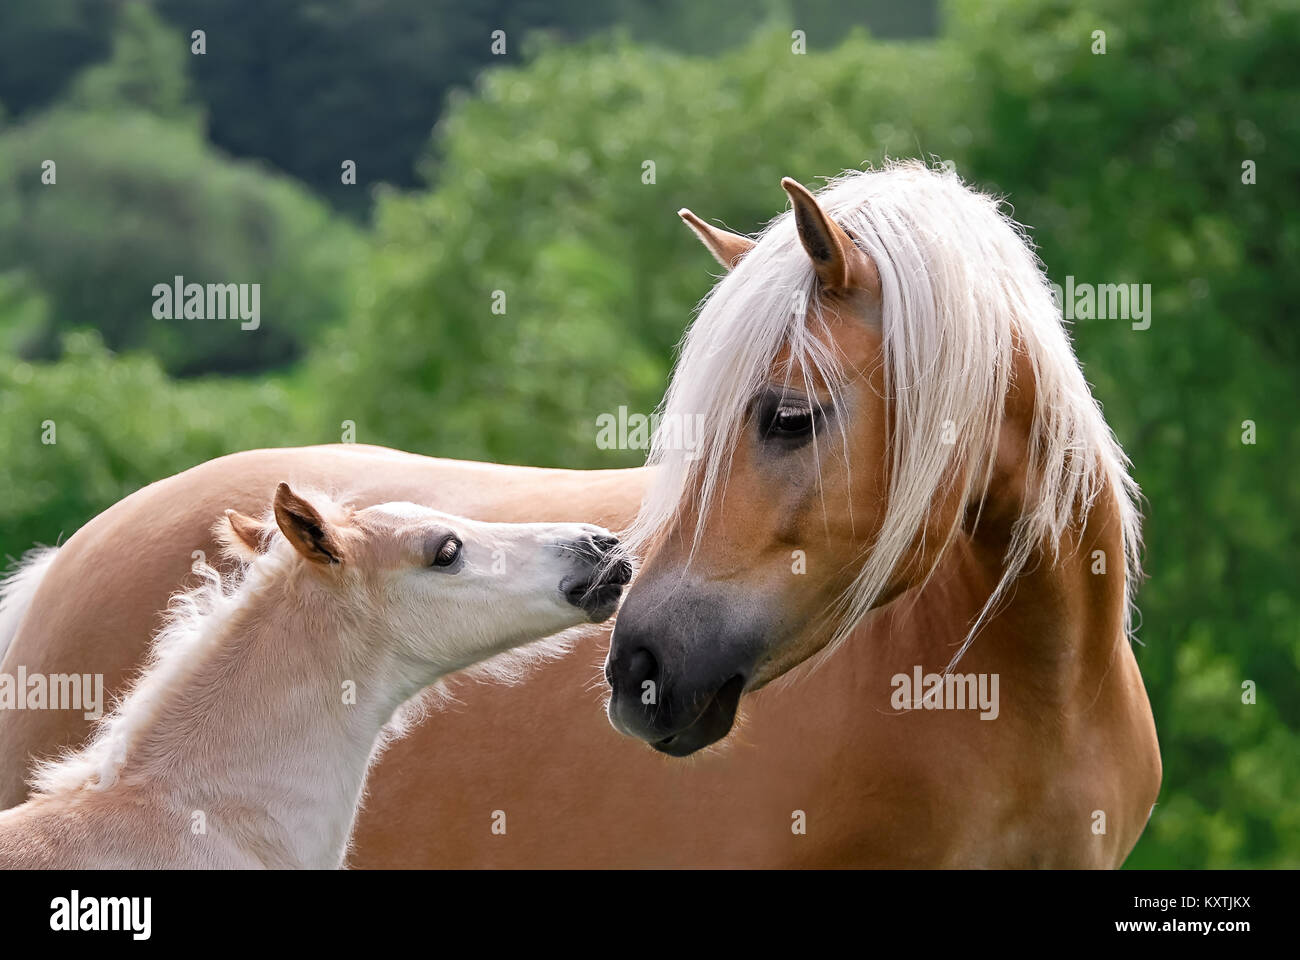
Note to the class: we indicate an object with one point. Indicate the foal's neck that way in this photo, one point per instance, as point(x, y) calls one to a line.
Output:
point(271, 730)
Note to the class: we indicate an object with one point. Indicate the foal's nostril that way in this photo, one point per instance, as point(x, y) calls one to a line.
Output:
point(595, 547)
point(604, 542)
point(618, 573)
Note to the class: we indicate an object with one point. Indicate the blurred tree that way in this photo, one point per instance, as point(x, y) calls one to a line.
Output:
point(146, 70)
point(137, 198)
point(139, 201)
point(826, 21)
point(43, 45)
point(558, 186)
point(87, 431)
point(272, 83)
point(308, 85)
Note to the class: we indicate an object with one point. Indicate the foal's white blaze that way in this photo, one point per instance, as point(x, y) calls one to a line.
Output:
point(246, 740)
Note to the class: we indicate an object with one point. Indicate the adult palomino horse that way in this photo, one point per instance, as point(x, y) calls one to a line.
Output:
point(895, 419)
point(897, 414)
point(246, 741)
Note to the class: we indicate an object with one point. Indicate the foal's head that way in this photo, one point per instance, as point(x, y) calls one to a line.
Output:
point(445, 591)
point(852, 377)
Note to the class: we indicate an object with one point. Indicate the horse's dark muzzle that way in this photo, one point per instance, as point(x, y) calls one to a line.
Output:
point(676, 671)
point(713, 723)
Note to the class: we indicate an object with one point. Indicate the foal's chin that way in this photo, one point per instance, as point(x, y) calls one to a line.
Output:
point(602, 604)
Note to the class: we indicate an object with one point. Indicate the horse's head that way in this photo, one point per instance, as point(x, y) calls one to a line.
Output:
point(735, 589)
point(446, 591)
point(849, 375)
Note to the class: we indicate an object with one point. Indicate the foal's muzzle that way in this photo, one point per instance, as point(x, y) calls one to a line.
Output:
point(601, 572)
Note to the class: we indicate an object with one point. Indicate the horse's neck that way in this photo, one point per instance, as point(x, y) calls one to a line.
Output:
point(271, 732)
point(1059, 622)
point(1061, 618)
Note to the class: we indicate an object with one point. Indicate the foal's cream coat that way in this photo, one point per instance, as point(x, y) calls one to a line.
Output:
point(246, 741)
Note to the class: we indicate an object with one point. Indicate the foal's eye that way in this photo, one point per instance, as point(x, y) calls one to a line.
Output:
point(447, 553)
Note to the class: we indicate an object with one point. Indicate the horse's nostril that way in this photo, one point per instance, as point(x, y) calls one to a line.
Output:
point(641, 667)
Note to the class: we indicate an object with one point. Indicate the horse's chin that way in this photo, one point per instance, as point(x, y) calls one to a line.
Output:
point(713, 723)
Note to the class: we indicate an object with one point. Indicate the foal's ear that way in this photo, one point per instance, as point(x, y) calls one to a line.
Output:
point(841, 266)
point(243, 536)
point(726, 247)
point(302, 524)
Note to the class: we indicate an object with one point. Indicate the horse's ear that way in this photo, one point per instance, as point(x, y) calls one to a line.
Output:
point(243, 536)
point(302, 524)
point(726, 247)
point(841, 266)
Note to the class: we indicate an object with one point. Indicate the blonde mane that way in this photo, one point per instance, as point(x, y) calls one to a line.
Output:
point(962, 290)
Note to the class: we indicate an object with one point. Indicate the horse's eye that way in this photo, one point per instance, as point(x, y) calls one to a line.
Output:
point(792, 420)
point(788, 421)
point(447, 553)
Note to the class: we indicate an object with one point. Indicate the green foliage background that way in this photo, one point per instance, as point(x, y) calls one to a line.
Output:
point(377, 299)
